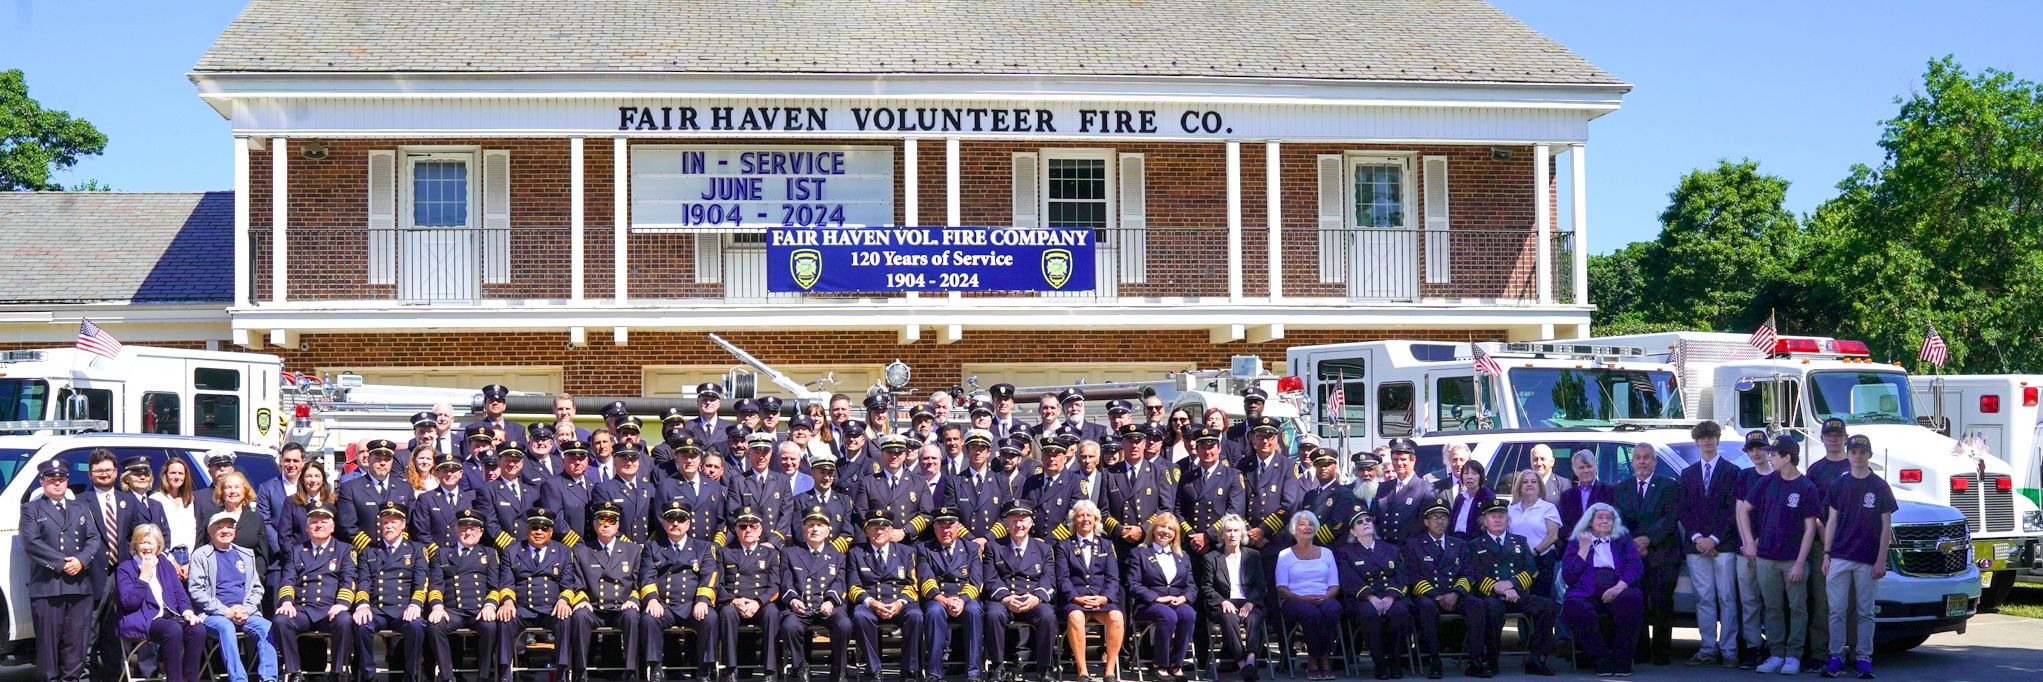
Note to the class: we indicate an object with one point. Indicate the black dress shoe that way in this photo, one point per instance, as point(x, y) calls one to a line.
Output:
point(1537, 666)
point(1397, 671)
point(1251, 673)
point(658, 673)
point(1433, 672)
point(1661, 658)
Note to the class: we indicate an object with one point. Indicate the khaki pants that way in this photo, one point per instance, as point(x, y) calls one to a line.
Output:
point(1851, 591)
point(1787, 609)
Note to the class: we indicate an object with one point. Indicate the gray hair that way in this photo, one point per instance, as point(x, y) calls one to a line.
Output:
point(1617, 529)
point(1233, 520)
point(147, 530)
point(1087, 506)
point(1308, 517)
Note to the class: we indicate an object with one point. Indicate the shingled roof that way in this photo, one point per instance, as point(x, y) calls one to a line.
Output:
point(97, 247)
point(1364, 40)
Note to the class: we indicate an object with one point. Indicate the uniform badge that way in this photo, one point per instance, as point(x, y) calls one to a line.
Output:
point(1148, 491)
point(1794, 500)
point(911, 496)
point(1869, 500)
point(407, 559)
point(624, 568)
point(762, 564)
point(333, 565)
point(900, 573)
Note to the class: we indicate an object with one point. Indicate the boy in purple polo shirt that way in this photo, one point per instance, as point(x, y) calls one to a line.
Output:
point(1855, 538)
point(1776, 528)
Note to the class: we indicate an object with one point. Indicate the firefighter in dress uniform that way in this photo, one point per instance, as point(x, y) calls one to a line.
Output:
point(363, 498)
point(749, 588)
point(1373, 586)
point(611, 577)
point(391, 586)
point(1053, 489)
point(679, 591)
point(464, 590)
point(432, 512)
point(1501, 568)
point(315, 588)
point(1333, 503)
point(1138, 488)
point(979, 491)
point(703, 495)
point(753, 483)
point(831, 500)
point(60, 539)
point(813, 573)
point(1435, 562)
point(882, 589)
point(952, 575)
point(1208, 490)
point(568, 494)
point(630, 495)
point(1021, 582)
point(543, 583)
point(709, 430)
point(503, 502)
point(892, 488)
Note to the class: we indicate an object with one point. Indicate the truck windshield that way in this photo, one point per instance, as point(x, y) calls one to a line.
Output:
point(11, 462)
point(1558, 397)
point(1862, 397)
point(23, 399)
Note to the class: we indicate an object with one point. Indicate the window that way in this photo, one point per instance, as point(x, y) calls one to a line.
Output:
point(214, 379)
point(259, 468)
point(98, 403)
point(1456, 402)
point(23, 399)
point(439, 186)
point(75, 459)
point(1343, 397)
point(1078, 192)
point(219, 416)
point(1760, 400)
point(1395, 411)
point(1379, 192)
point(160, 413)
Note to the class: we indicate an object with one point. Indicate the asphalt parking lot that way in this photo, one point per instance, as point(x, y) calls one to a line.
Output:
point(1996, 648)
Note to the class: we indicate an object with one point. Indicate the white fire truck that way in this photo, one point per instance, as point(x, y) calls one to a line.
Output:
point(1805, 380)
point(2001, 411)
point(234, 396)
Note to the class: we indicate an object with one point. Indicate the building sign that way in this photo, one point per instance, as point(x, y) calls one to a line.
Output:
point(1063, 119)
point(804, 259)
point(709, 187)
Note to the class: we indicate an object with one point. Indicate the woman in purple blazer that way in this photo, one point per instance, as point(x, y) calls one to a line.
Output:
point(1466, 518)
point(1602, 570)
point(155, 607)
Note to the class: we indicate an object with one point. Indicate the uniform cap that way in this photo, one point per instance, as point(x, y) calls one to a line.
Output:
point(1055, 444)
point(380, 446)
point(480, 432)
point(1398, 445)
point(817, 513)
point(1013, 445)
point(1755, 439)
point(1833, 425)
point(1070, 395)
point(677, 510)
point(539, 431)
point(419, 419)
point(1859, 442)
point(684, 444)
point(1497, 505)
point(606, 508)
point(1360, 515)
point(539, 517)
point(1203, 434)
point(921, 412)
point(945, 515)
point(709, 390)
point(979, 407)
point(53, 469)
point(673, 414)
point(1364, 459)
point(510, 451)
point(876, 402)
point(1437, 506)
point(1002, 392)
point(319, 509)
point(1018, 508)
point(495, 392)
point(227, 516)
point(748, 514)
point(759, 440)
point(446, 460)
point(746, 405)
point(1307, 440)
point(468, 517)
point(769, 405)
point(1785, 444)
point(876, 517)
point(1119, 407)
point(893, 441)
point(631, 424)
point(631, 451)
point(824, 461)
point(574, 448)
point(979, 437)
point(1254, 393)
point(136, 463)
point(1323, 457)
point(1132, 432)
point(1110, 446)
point(397, 509)
point(801, 422)
point(1155, 431)
point(616, 408)
point(853, 428)
point(1265, 423)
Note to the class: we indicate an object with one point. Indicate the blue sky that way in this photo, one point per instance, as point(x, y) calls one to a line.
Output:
point(1799, 86)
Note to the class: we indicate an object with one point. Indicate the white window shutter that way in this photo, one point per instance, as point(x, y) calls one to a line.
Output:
point(1131, 241)
point(496, 216)
point(1333, 213)
point(383, 216)
point(1438, 268)
point(1027, 198)
point(709, 257)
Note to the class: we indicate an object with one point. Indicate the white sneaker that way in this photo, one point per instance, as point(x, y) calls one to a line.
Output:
point(1793, 666)
point(1772, 665)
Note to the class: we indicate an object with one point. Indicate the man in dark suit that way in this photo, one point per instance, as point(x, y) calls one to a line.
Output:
point(570, 492)
point(1005, 421)
point(1647, 502)
point(432, 514)
point(1709, 530)
point(425, 432)
point(60, 540)
point(274, 495)
point(1208, 491)
point(704, 496)
point(503, 503)
point(493, 414)
point(1588, 490)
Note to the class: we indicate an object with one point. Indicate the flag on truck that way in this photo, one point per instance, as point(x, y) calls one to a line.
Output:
point(1484, 363)
point(1933, 350)
point(1763, 337)
point(96, 341)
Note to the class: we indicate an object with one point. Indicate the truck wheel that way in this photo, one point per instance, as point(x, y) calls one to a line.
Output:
point(1896, 646)
point(1997, 591)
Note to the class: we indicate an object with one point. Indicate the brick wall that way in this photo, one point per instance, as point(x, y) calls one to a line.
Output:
point(603, 369)
point(1492, 204)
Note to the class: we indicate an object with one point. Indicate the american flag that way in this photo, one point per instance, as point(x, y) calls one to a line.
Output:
point(1337, 404)
point(1763, 337)
point(1933, 349)
point(1484, 363)
point(96, 341)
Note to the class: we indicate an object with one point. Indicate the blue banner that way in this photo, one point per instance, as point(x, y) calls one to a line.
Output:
point(878, 259)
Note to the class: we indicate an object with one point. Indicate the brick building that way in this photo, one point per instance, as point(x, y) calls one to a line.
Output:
point(445, 194)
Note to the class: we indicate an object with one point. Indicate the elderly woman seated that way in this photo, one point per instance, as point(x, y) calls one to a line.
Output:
point(154, 606)
point(1308, 581)
point(1602, 571)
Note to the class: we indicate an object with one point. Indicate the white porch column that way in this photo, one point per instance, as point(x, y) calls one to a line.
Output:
point(242, 253)
point(1543, 216)
point(953, 198)
point(911, 175)
point(1272, 180)
point(620, 210)
point(575, 218)
point(1233, 220)
point(280, 208)
point(1580, 210)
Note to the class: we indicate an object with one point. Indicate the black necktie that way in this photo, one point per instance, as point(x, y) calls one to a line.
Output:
point(1642, 490)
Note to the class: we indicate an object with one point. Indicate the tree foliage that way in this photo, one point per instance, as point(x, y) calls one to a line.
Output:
point(35, 143)
point(1725, 255)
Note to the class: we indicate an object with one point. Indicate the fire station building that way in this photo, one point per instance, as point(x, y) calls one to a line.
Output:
point(572, 196)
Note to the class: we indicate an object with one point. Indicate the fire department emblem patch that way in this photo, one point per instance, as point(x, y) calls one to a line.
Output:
point(807, 267)
point(1057, 267)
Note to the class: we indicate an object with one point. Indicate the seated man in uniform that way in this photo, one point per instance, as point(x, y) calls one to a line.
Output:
point(610, 576)
point(951, 575)
point(390, 594)
point(541, 587)
point(1501, 567)
point(813, 573)
point(679, 591)
point(316, 586)
point(1021, 582)
point(883, 590)
point(748, 589)
point(1436, 562)
point(464, 591)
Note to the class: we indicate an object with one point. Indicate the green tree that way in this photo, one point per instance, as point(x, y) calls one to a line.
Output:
point(1726, 249)
point(34, 142)
point(1948, 230)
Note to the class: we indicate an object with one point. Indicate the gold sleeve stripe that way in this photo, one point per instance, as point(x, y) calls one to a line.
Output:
point(1325, 534)
point(969, 591)
point(929, 586)
point(705, 593)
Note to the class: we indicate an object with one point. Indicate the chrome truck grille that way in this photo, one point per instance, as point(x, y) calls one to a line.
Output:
point(1985, 499)
point(1931, 550)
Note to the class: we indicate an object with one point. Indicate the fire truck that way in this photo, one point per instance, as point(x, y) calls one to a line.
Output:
point(234, 396)
point(2000, 413)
